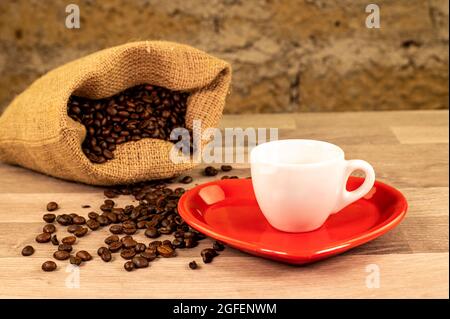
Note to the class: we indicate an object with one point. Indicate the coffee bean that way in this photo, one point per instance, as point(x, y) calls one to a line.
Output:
point(73, 228)
point(129, 266)
point(43, 238)
point(54, 240)
point(93, 215)
point(101, 250)
point(110, 239)
point(106, 256)
point(93, 224)
point(79, 220)
point(226, 168)
point(186, 180)
point(218, 246)
point(61, 255)
point(129, 243)
point(27, 251)
point(65, 247)
point(165, 250)
point(81, 232)
point(116, 229)
point(110, 194)
point(85, 206)
point(233, 177)
point(151, 232)
point(49, 218)
point(178, 243)
point(140, 247)
point(69, 240)
point(49, 228)
point(64, 219)
point(208, 254)
point(52, 206)
point(127, 253)
point(74, 260)
point(103, 221)
point(210, 171)
point(115, 246)
point(140, 262)
point(193, 265)
point(84, 255)
point(148, 254)
point(49, 266)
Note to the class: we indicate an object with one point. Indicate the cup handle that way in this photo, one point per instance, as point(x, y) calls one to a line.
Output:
point(349, 197)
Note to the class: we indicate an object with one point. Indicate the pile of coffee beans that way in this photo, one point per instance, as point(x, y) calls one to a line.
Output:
point(143, 111)
point(154, 215)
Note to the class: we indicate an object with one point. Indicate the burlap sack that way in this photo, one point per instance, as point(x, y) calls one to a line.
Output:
point(37, 133)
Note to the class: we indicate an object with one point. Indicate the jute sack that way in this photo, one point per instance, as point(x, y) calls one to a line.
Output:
point(37, 133)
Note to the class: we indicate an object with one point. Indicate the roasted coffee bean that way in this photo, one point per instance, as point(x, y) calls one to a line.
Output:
point(130, 231)
point(140, 247)
point(111, 216)
point(49, 218)
point(27, 251)
point(52, 206)
point(74, 260)
point(141, 224)
point(129, 243)
point(79, 220)
point(85, 206)
point(101, 250)
point(193, 265)
point(93, 215)
point(165, 250)
point(73, 215)
point(210, 171)
point(129, 266)
point(73, 228)
point(178, 243)
point(61, 255)
point(110, 239)
point(115, 246)
point(103, 221)
point(106, 256)
point(140, 262)
point(186, 179)
point(64, 219)
point(127, 253)
point(43, 238)
point(49, 266)
point(226, 168)
point(148, 254)
point(54, 240)
point(65, 247)
point(151, 232)
point(93, 224)
point(167, 242)
point(109, 202)
point(110, 193)
point(116, 229)
point(233, 177)
point(190, 243)
point(69, 240)
point(81, 232)
point(49, 228)
point(218, 246)
point(225, 177)
point(84, 255)
point(208, 254)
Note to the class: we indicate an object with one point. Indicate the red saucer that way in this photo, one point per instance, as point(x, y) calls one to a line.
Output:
point(227, 210)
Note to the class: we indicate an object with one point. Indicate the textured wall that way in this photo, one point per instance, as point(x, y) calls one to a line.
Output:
point(287, 55)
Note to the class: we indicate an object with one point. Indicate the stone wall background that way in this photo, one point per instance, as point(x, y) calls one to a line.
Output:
point(287, 55)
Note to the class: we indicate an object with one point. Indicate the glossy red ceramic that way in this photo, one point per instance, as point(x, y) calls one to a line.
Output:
point(227, 210)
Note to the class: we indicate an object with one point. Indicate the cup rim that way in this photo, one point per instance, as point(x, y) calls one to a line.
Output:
point(253, 159)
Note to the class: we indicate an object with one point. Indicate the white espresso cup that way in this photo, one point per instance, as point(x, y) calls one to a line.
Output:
point(299, 183)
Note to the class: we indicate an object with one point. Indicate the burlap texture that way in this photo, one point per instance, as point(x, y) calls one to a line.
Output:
point(37, 133)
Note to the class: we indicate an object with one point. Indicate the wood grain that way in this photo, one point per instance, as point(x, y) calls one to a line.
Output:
point(409, 150)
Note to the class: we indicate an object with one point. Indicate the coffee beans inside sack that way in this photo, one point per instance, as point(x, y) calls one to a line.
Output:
point(106, 118)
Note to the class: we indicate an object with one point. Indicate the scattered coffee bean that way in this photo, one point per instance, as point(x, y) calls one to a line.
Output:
point(43, 238)
point(151, 232)
point(193, 265)
point(64, 219)
point(69, 240)
point(49, 228)
point(61, 255)
point(93, 215)
point(81, 232)
point(226, 168)
point(49, 218)
point(110, 239)
point(208, 254)
point(148, 254)
point(110, 193)
point(54, 240)
point(74, 260)
point(49, 266)
point(178, 243)
point(106, 256)
point(218, 246)
point(129, 266)
point(140, 262)
point(190, 243)
point(116, 229)
point(73, 228)
point(140, 247)
point(127, 253)
point(65, 247)
point(102, 250)
point(85, 206)
point(84, 255)
point(93, 224)
point(103, 221)
point(27, 251)
point(186, 180)
point(52, 206)
point(165, 250)
point(233, 177)
point(210, 171)
point(79, 220)
point(115, 246)
point(129, 242)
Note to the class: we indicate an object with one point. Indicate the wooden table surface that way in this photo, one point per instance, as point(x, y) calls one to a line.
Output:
point(408, 150)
